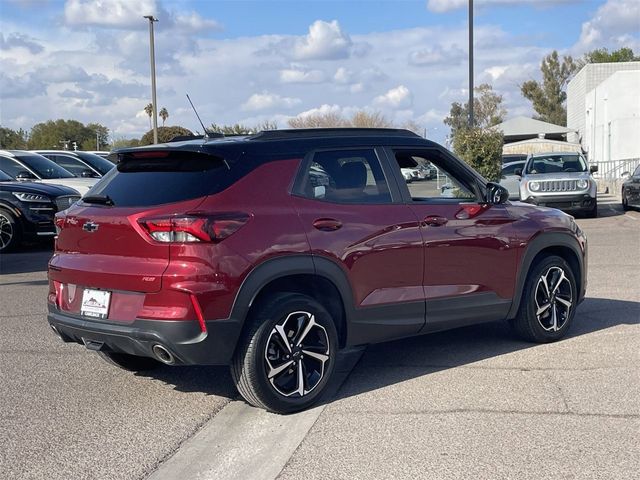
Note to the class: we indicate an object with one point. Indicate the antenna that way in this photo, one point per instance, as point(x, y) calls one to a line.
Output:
point(206, 132)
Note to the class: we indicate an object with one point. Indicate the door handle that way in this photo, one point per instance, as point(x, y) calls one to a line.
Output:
point(435, 220)
point(327, 224)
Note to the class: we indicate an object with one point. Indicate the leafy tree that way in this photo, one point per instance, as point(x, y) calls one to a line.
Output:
point(63, 133)
point(102, 134)
point(125, 143)
point(164, 114)
point(12, 140)
point(602, 55)
point(165, 134)
point(149, 111)
point(481, 148)
point(549, 97)
point(235, 129)
point(364, 119)
point(266, 125)
point(487, 110)
point(319, 120)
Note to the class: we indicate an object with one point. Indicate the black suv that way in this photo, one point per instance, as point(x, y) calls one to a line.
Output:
point(27, 210)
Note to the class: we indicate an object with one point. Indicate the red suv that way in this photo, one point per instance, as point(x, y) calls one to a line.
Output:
point(271, 252)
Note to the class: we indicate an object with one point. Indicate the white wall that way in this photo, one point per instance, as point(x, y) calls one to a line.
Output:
point(612, 118)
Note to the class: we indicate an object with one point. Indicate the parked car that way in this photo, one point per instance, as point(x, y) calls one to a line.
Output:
point(100, 153)
point(31, 167)
point(631, 189)
point(27, 210)
point(514, 157)
point(81, 164)
point(241, 253)
point(408, 174)
point(560, 180)
point(510, 180)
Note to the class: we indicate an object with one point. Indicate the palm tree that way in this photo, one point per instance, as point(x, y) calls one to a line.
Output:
point(149, 111)
point(164, 114)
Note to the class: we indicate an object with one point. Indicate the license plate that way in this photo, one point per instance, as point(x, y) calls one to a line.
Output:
point(95, 303)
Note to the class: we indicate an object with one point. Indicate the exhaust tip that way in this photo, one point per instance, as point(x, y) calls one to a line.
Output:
point(162, 354)
point(55, 330)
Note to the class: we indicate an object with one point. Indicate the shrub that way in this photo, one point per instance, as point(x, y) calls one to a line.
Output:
point(165, 134)
point(481, 148)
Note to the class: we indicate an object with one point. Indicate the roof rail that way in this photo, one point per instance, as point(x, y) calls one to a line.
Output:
point(183, 138)
point(331, 132)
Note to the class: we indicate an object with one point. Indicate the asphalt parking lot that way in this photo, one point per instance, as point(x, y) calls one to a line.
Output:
point(469, 403)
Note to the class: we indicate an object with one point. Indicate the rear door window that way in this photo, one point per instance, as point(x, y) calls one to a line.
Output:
point(346, 176)
point(141, 182)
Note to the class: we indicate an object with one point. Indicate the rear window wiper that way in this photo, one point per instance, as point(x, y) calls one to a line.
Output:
point(99, 199)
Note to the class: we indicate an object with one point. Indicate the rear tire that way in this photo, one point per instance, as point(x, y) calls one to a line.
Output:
point(10, 231)
point(548, 302)
point(132, 363)
point(285, 359)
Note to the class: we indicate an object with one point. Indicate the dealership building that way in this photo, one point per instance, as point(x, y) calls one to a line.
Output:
point(603, 115)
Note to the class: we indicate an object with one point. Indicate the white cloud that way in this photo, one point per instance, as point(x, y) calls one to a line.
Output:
point(264, 101)
point(441, 6)
point(192, 22)
point(325, 41)
point(109, 13)
point(397, 97)
point(19, 40)
point(615, 24)
point(128, 14)
point(437, 55)
point(299, 74)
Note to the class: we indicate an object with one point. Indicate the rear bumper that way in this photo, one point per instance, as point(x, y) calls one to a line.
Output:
point(572, 202)
point(182, 338)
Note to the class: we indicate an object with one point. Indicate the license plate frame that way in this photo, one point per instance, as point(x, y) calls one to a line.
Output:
point(95, 303)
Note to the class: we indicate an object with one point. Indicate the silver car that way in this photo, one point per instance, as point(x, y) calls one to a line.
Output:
point(560, 180)
point(510, 180)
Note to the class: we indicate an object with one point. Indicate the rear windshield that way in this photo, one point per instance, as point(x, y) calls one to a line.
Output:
point(101, 164)
point(557, 164)
point(44, 167)
point(182, 176)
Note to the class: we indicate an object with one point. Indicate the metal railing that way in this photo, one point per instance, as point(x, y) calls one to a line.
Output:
point(613, 169)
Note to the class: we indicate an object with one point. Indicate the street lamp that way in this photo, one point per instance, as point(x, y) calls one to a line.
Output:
point(152, 55)
point(470, 63)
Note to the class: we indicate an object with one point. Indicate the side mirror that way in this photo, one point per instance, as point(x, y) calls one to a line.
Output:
point(626, 175)
point(518, 172)
point(496, 194)
point(593, 168)
point(24, 176)
point(87, 174)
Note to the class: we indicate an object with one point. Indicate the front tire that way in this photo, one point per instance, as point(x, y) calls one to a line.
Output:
point(548, 302)
point(285, 359)
point(625, 202)
point(593, 213)
point(10, 232)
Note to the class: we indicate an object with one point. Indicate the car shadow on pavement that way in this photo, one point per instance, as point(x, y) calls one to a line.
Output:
point(28, 259)
point(422, 355)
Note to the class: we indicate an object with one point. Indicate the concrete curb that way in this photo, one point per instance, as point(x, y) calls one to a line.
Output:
point(244, 442)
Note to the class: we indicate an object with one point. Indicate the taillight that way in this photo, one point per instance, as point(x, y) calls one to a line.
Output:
point(193, 228)
point(60, 220)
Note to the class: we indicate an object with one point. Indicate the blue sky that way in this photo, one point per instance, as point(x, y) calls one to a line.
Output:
point(250, 61)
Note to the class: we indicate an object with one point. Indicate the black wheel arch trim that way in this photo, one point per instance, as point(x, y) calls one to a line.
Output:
point(288, 265)
point(539, 243)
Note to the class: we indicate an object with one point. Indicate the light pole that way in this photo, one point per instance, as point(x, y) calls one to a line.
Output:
point(152, 54)
point(470, 63)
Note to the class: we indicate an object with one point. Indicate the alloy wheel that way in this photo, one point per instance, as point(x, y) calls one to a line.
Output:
point(553, 299)
point(295, 355)
point(6, 232)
